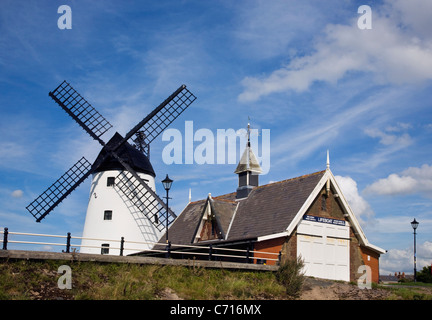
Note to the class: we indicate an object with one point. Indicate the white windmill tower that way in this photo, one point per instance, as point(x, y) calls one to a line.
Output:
point(123, 201)
point(110, 213)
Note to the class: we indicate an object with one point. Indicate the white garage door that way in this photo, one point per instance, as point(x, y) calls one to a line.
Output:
point(324, 246)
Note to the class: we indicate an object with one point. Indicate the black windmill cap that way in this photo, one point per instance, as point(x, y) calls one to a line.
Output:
point(135, 158)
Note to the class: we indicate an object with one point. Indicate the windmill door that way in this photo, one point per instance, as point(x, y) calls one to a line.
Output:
point(324, 246)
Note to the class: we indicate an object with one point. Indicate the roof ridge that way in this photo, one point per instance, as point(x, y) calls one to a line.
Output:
point(196, 201)
point(224, 200)
point(268, 184)
point(291, 179)
point(224, 195)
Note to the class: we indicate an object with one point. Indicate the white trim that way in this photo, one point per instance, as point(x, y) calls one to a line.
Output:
point(232, 220)
point(273, 236)
point(206, 213)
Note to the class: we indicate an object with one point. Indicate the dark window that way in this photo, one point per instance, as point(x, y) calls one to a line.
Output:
point(107, 215)
point(110, 181)
point(105, 248)
point(324, 202)
point(213, 227)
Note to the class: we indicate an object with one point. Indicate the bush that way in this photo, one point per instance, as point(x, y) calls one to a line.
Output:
point(290, 275)
point(425, 275)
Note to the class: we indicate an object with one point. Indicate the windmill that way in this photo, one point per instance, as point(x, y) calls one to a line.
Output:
point(127, 204)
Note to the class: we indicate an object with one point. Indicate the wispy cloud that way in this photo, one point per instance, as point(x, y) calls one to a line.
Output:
point(319, 132)
point(390, 52)
point(266, 31)
point(390, 136)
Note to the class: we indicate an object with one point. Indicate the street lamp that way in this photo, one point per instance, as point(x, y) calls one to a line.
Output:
point(167, 182)
point(414, 225)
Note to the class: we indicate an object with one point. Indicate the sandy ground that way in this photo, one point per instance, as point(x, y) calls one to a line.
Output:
point(317, 289)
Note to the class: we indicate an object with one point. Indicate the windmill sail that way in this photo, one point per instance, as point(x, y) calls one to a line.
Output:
point(81, 111)
point(59, 190)
point(131, 185)
point(162, 116)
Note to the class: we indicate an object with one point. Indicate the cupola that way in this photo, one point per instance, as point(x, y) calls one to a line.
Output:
point(248, 170)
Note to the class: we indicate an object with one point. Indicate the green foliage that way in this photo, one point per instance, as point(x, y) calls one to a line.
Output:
point(291, 277)
point(425, 275)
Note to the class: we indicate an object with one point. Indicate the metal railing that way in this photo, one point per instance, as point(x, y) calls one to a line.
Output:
point(169, 249)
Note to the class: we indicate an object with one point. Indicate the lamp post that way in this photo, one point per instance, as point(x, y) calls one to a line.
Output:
point(414, 225)
point(167, 182)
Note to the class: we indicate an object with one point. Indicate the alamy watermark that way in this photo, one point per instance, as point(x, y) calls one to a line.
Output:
point(365, 280)
point(65, 20)
point(365, 20)
point(65, 280)
point(225, 146)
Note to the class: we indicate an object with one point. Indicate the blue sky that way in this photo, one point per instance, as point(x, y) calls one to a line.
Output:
point(302, 69)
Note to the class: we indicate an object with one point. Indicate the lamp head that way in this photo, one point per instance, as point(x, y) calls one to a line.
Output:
point(167, 182)
point(414, 224)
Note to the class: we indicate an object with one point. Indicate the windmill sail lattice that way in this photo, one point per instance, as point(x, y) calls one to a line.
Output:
point(143, 200)
point(80, 110)
point(60, 189)
point(162, 116)
point(157, 121)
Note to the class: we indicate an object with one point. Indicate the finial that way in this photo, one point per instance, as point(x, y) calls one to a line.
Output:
point(328, 160)
point(248, 131)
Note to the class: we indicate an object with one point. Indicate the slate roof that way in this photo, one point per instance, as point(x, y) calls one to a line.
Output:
point(270, 208)
point(223, 210)
point(136, 159)
point(267, 210)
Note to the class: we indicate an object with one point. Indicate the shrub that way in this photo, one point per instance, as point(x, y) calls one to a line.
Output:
point(425, 275)
point(290, 275)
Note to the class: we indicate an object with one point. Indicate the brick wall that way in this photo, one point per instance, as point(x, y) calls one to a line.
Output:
point(371, 259)
point(272, 246)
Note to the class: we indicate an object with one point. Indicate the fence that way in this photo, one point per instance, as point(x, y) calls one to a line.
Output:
point(211, 251)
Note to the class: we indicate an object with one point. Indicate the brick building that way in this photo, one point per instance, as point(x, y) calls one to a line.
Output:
point(307, 216)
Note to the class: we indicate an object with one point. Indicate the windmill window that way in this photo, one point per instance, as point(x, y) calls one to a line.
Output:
point(105, 248)
point(108, 215)
point(110, 181)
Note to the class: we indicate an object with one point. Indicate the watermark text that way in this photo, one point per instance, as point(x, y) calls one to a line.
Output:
point(204, 146)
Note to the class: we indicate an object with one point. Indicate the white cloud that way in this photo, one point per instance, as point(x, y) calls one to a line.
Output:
point(358, 204)
point(17, 193)
point(401, 260)
point(392, 52)
point(411, 180)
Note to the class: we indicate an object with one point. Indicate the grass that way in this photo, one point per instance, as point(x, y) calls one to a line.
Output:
point(411, 291)
point(98, 281)
point(34, 280)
